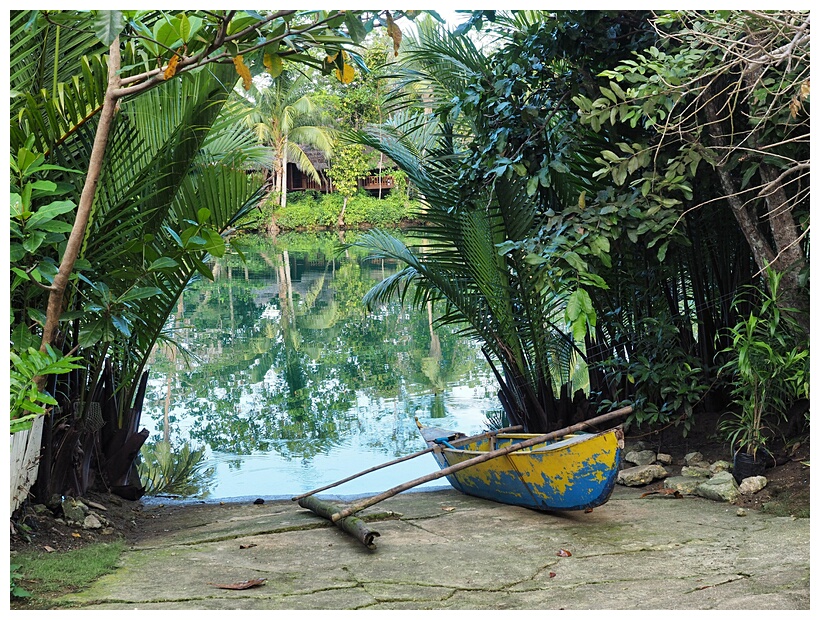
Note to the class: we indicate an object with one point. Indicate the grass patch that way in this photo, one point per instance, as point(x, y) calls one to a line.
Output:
point(46, 575)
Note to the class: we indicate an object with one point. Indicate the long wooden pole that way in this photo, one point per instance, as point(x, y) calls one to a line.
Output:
point(508, 429)
point(607, 417)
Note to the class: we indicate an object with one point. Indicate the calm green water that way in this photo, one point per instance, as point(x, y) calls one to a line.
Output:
point(290, 384)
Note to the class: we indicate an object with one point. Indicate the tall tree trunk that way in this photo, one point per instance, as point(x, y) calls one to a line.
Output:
point(273, 228)
point(283, 195)
point(381, 164)
point(787, 256)
point(57, 289)
point(790, 258)
point(341, 221)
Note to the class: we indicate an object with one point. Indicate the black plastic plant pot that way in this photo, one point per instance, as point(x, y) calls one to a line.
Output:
point(746, 465)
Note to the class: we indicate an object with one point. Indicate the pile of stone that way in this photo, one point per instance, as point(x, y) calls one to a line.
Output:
point(697, 476)
point(76, 512)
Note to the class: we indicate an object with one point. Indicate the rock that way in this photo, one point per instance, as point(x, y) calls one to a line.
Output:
point(639, 446)
point(663, 458)
point(752, 485)
point(91, 522)
point(31, 522)
point(74, 510)
point(641, 475)
point(741, 512)
point(40, 509)
point(107, 531)
point(95, 505)
point(695, 472)
point(685, 485)
point(721, 487)
point(719, 466)
point(640, 457)
point(692, 458)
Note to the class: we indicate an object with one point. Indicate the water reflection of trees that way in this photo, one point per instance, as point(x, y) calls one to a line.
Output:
point(284, 350)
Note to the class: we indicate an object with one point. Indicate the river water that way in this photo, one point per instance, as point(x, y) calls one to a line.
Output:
point(288, 383)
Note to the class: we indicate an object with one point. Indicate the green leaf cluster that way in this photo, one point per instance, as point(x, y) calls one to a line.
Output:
point(16, 590)
point(768, 367)
point(27, 401)
point(350, 163)
point(314, 212)
point(662, 381)
point(174, 470)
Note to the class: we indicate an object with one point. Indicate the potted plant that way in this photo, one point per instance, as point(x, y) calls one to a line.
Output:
point(769, 367)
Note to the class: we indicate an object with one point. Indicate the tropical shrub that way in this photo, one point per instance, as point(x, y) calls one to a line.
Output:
point(165, 469)
point(27, 400)
point(768, 368)
point(309, 211)
point(662, 381)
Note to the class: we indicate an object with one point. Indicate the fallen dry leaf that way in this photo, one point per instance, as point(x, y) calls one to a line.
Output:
point(95, 505)
point(552, 575)
point(563, 553)
point(247, 546)
point(76, 535)
point(49, 549)
point(239, 585)
point(448, 508)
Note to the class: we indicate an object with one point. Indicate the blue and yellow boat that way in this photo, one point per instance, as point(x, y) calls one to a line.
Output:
point(575, 472)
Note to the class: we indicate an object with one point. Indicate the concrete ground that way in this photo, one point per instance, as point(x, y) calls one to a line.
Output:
point(444, 550)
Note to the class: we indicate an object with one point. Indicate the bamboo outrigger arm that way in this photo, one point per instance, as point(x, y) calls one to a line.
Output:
point(352, 525)
point(508, 429)
point(607, 417)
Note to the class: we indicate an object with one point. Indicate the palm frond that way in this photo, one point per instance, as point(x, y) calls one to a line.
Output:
point(35, 54)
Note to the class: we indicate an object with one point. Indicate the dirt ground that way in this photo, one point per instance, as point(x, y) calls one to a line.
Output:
point(787, 493)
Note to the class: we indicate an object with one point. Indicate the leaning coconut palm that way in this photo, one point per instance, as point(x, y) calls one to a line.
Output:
point(285, 117)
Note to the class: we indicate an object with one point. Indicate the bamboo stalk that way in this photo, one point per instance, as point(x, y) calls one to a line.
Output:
point(352, 525)
point(480, 459)
point(401, 460)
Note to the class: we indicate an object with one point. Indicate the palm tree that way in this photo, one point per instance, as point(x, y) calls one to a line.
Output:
point(169, 186)
point(498, 297)
point(285, 117)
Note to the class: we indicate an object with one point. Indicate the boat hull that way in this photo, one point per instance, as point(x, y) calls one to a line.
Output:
point(577, 472)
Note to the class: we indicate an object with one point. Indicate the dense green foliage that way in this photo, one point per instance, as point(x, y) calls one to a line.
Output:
point(145, 168)
point(768, 367)
point(598, 188)
point(313, 211)
point(588, 130)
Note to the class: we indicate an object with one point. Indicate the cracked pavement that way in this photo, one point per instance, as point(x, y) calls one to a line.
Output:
point(444, 550)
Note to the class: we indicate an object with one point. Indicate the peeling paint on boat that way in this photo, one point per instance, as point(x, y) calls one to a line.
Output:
point(576, 473)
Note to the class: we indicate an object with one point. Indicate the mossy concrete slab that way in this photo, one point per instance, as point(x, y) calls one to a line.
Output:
point(451, 551)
